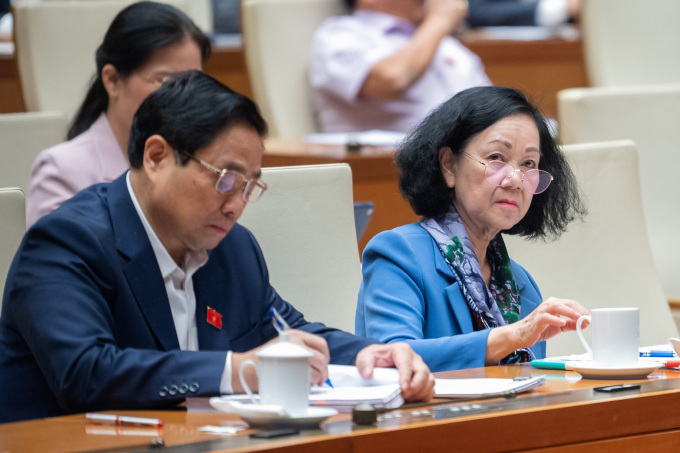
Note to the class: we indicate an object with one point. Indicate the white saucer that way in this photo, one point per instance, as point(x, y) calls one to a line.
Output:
point(591, 370)
point(262, 415)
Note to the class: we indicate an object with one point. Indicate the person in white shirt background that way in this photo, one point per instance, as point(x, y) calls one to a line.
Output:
point(389, 63)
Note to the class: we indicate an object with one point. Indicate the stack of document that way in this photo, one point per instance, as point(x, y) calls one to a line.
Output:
point(484, 387)
point(349, 389)
point(382, 390)
point(344, 398)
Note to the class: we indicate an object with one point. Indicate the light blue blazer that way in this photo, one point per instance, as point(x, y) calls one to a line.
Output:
point(410, 294)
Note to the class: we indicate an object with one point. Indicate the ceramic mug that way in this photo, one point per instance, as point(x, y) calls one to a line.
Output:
point(284, 376)
point(615, 336)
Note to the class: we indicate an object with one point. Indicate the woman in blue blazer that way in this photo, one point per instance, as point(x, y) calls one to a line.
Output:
point(483, 163)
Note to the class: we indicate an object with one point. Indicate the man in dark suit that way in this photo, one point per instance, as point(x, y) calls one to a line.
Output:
point(143, 291)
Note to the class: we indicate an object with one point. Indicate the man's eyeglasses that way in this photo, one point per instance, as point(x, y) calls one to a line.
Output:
point(229, 180)
point(534, 181)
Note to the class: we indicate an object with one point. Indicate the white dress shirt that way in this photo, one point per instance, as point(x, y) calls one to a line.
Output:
point(180, 289)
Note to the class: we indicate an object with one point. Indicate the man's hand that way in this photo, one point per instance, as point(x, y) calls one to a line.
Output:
point(415, 379)
point(318, 362)
point(452, 12)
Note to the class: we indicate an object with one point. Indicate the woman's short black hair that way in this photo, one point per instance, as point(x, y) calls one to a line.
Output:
point(452, 125)
point(135, 34)
point(189, 111)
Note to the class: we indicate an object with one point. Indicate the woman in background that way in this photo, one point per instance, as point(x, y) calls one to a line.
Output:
point(483, 163)
point(145, 43)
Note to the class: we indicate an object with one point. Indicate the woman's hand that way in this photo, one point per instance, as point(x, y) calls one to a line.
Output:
point(547, 320)
point(550, 318)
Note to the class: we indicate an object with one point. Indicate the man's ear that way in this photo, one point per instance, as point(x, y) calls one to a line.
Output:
point(447, 163)
point(158, 154)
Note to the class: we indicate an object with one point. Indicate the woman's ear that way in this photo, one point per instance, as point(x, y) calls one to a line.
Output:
point(447, 163)
point(111, 80)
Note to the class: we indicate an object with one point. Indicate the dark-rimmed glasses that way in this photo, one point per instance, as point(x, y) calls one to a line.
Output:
point(229, 180)
point(534, 181)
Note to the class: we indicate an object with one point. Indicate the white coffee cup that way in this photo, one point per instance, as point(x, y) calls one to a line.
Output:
point(284, 375)
point(615, 336)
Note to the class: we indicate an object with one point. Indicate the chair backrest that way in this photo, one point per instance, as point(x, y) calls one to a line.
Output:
point(277, 37)
point(305, 226)
point(22, 137)
point(629, 42)
point(12, 229)
point(606, 260)
point(56, 43)
point(648, 115)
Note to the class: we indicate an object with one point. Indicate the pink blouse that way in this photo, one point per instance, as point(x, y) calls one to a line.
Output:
point(61, 171)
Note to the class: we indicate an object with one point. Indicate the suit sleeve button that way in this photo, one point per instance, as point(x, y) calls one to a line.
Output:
point(193, 388)
point(183, 389)
point(173, 390)
point(163, 392)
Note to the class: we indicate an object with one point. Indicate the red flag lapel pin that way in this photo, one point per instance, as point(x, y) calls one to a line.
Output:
point(214, 318)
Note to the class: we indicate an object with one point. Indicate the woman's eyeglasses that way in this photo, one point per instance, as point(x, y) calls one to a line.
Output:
point(496, 172)
point(158, 80)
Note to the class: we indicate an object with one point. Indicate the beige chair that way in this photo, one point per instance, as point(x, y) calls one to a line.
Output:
point(277, 37)
point(648, 115)
point(605, 261)
point(630, 42)
point(22, 137)
point(56, 43)
point(305, 226)
point(12, 228)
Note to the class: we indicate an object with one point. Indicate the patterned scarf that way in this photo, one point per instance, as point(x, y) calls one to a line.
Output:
point(493, 306)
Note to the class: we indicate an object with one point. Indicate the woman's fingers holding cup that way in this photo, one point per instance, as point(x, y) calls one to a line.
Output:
point(538, 326)
point(569, 309)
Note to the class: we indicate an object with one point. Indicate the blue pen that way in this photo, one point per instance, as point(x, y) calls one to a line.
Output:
point(657, 354)
point(280, 325)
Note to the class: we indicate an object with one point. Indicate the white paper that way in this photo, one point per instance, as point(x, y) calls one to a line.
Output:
point(349, 388)
point(388, 395)
point(372, 137)
point(347, 375)
point(471, 388)
point(221, 430)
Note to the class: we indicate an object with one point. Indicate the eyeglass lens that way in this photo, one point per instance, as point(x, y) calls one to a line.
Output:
point(535, 181)
point(228, 180)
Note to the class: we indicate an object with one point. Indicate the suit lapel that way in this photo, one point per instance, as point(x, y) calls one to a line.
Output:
point(460, 308)
point(140, 266)
point(210, 291)
point(529, 299)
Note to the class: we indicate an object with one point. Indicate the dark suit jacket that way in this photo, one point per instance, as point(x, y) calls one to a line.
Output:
point(488, 13)
point(86, 324)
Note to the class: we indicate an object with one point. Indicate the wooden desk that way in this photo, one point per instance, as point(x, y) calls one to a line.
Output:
point(375, 178)
point(540, 68)
point(564, 415)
